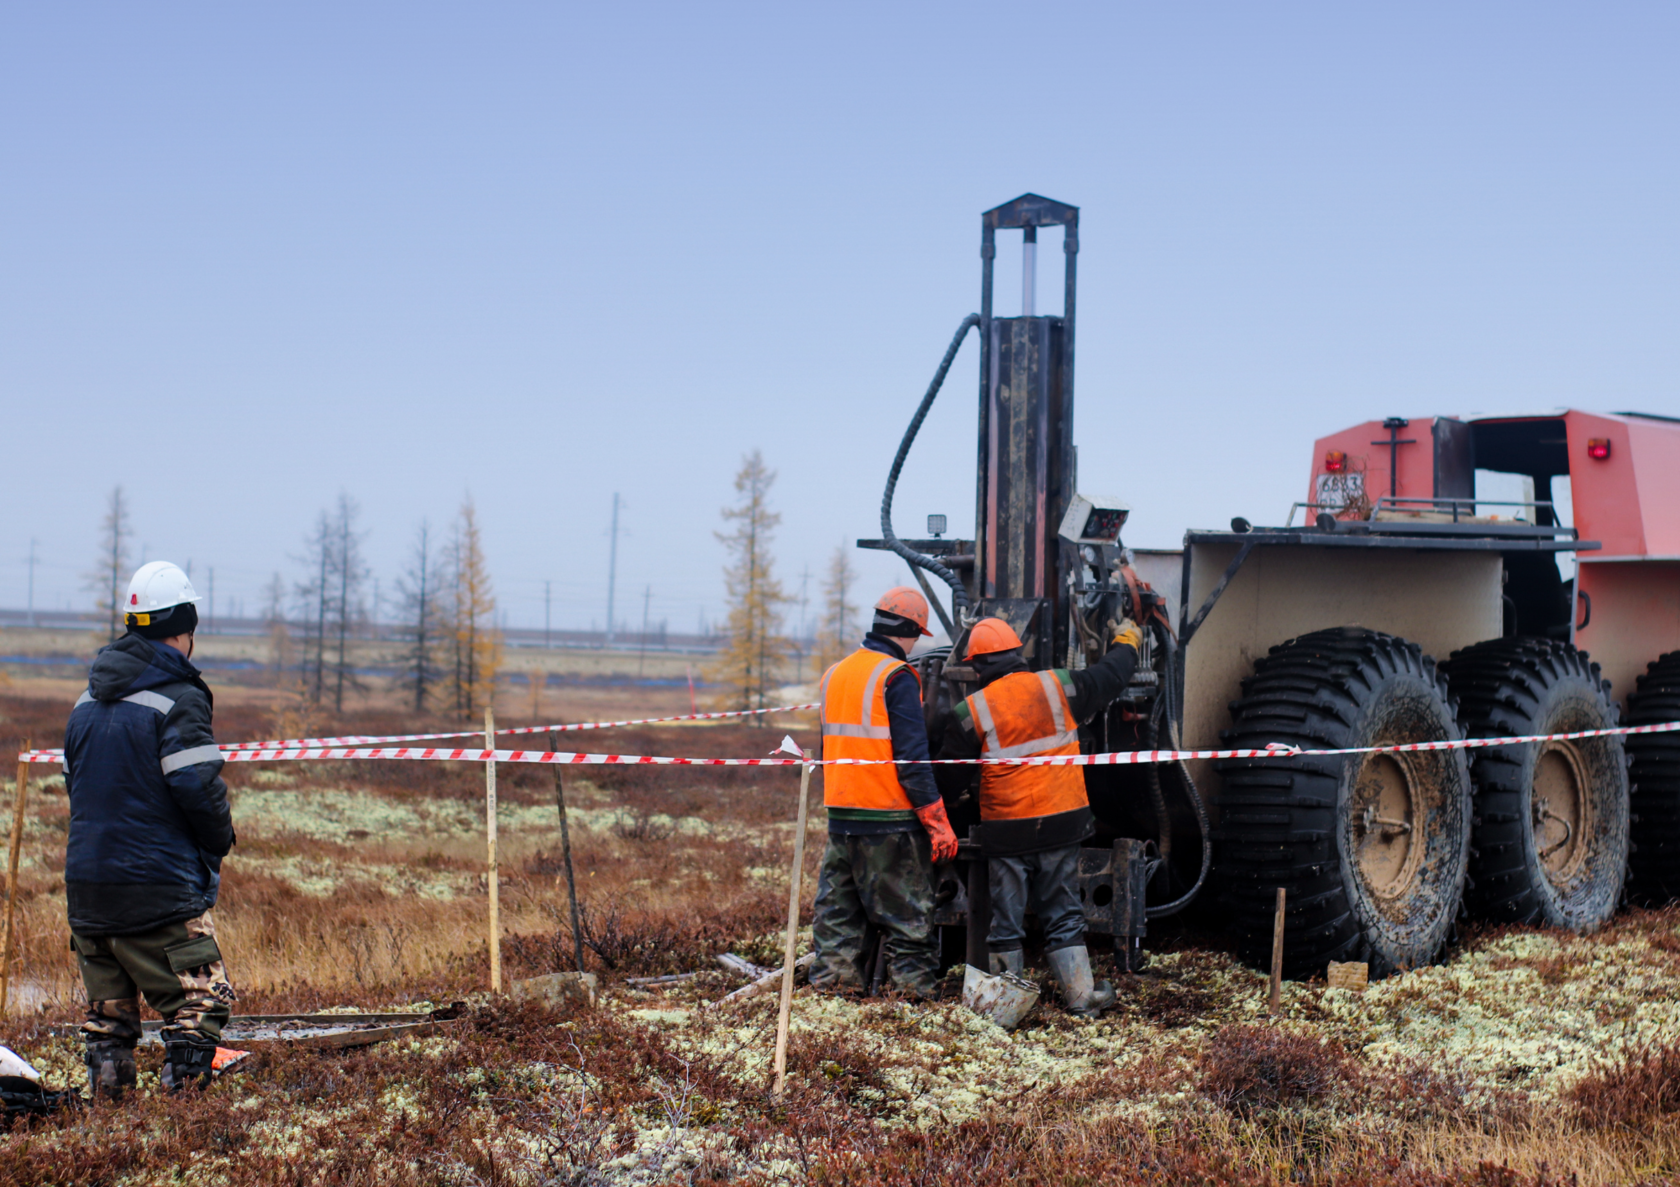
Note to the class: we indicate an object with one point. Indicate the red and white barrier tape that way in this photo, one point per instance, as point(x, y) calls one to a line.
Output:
point(357, 740)
point(380, 740)
point(438, 754)
point(1116, 758)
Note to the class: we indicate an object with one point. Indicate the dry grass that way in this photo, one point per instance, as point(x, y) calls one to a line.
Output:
point(1532, 1059)
point(1634, 1092)
point(369, 878)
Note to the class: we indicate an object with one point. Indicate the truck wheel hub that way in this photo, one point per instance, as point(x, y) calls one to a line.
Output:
point(1387, 806)
point(1562, 811)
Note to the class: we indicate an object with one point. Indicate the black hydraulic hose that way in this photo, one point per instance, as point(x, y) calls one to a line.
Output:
point(1157, 797)
point(1195, 797)
point(959, 595)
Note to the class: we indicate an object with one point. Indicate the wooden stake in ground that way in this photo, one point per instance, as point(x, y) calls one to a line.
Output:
point(1276, 1002)
point(794, 895)
point(12, 881)
point(490, 837)
point(566, 857)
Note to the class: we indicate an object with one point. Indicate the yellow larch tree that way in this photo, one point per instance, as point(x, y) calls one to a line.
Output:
point(754, 649)
point(477, 644)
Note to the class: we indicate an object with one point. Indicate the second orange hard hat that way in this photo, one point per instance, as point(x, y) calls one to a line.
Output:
point(906, 603)
point(989, 635)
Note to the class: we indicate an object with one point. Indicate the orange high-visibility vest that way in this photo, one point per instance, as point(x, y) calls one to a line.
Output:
point(854, 725)
point(1019, 716)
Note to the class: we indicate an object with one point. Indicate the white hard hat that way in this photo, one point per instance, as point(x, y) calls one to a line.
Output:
point(158, 585)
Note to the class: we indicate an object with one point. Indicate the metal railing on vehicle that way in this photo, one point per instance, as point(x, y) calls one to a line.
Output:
point(1443, 505)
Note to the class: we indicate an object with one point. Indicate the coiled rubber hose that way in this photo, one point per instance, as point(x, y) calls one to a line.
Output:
point(1170, 696)
point(959, 596)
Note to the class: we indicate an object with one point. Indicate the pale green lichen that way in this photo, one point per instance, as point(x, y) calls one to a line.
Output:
point(1492, 1014)
point(323, 815)
point(322, 878)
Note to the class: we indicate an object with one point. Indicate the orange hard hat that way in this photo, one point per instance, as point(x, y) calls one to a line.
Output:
point(989, 635)
point(906, 603)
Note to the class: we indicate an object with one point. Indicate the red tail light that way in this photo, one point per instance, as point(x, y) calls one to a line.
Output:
point(1335, 461)
point(1598, 448)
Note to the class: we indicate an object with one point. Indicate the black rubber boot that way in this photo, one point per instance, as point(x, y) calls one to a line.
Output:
point(1082, 996)
point(1013, 961)
point(186, 1062)
point(110, 1067)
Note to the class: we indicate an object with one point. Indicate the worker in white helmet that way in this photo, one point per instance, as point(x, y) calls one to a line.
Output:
point(149, 826)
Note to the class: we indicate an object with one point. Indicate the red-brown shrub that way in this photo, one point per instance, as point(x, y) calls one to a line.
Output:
point(1631, 1091)
point(1249, 1069)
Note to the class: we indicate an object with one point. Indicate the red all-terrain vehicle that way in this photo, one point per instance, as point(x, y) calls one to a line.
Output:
point(1396, 604)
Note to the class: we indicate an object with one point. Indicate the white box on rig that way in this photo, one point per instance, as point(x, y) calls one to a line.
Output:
point(1093, 521)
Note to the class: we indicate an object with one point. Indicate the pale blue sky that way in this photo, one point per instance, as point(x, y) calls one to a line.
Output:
point(254, 255)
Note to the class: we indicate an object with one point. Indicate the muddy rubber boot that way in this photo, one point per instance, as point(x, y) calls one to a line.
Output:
point(186, 1062)
point(110, 1067)
point(1006, 962)
point(1072, 970)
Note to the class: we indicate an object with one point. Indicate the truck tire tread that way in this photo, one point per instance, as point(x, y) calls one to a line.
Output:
point(1522, 686)
point(1282, 823)
point(1654, 867)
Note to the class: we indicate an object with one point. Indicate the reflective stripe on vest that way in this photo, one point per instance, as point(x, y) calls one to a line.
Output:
point(855, 725)
point(1051, 744)
point(862, 728)
point(1025, 715)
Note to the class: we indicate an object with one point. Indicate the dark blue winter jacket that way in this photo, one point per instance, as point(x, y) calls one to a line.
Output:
point(149, 820)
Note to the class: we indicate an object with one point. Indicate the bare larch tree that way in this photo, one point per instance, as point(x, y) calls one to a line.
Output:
point(837, 633)
point(349, 573)
point(109, 576)
point(420, 593)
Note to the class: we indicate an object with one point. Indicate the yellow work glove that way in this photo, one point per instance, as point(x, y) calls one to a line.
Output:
point(1127, 632)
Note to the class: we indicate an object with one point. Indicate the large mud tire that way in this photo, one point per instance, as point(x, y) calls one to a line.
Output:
point(1550, 842)
point(1372, 848)
point(1654, 865)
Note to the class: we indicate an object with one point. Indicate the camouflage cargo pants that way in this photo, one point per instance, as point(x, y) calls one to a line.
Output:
point(885, 880)
point(178, 968)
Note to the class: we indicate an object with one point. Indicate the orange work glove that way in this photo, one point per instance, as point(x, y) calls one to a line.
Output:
point(938, 827)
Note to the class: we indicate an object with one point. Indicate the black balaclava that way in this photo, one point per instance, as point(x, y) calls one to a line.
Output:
point(181, 620)
point(900, 632)
point(892, 626)
point(997, 663)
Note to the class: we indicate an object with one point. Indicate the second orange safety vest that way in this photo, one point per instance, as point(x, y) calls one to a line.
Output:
point(855, 725)
point(1022, 715)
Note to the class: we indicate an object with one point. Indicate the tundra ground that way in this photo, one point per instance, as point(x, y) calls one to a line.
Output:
point(1528, 1057)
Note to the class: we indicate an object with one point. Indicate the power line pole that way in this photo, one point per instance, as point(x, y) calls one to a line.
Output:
point(548, 591)
point(210, 625)
point(642, 660)
point(32, 581)
point(612, 569)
